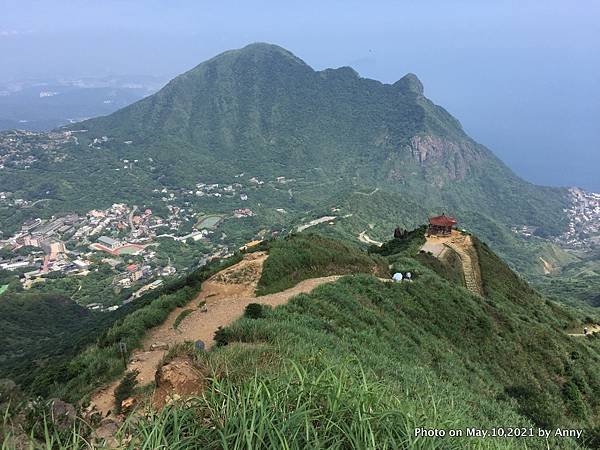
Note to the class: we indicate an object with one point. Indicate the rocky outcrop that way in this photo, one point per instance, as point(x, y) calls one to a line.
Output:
point(410, 83)
point(105, 435)
point(431, 147)
point(159, 346)
point(63, 414)
point(454, 157)
point(178, 379)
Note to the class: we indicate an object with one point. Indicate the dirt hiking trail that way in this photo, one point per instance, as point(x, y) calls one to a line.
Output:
point(591, 329)
point(221, 301)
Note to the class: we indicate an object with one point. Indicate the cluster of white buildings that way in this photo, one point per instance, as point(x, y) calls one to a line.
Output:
point(18, 147)
point(584, 221)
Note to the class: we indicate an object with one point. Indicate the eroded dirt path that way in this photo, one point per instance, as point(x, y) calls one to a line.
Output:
point(547, 267)
point(590, 330)
point(221, 301)
point(463, 246)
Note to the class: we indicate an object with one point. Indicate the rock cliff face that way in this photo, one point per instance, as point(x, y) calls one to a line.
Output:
point(456, 158)
point(425, 148)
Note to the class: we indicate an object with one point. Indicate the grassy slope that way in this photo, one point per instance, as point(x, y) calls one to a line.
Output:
point(507, 353)
point(304, 256)
point(36, 328)
point(360, 363)
point(449, 268)
point(577, 284)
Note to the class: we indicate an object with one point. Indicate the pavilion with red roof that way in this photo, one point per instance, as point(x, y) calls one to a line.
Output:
point(441, 225)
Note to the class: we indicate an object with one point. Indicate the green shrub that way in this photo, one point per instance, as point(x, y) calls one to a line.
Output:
point(222, 336)
point(408, 244)
point(574, 400)
point(255, 311)
point(535, 404)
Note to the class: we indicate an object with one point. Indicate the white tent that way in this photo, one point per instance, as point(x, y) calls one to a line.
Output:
point(397, 277)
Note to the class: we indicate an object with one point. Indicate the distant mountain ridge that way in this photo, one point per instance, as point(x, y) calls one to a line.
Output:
point(261, 110)
point(263, 105)
point(262, 95)
point(45, 104)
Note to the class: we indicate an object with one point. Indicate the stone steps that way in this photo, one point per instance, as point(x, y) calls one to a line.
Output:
point(463, 246)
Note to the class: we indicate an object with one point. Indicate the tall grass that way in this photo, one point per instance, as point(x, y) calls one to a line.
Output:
point(44, 435)
point(339, 407)
point(360, 364)
point(336, 408)
point(303, 256)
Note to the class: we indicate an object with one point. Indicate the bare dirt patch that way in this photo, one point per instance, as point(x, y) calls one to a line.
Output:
point(463, 246)
point(178, 379)
point(363, 237)
point(547, 267)
point(591, 329)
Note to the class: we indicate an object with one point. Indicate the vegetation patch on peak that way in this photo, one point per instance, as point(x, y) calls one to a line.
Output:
point(305, 255)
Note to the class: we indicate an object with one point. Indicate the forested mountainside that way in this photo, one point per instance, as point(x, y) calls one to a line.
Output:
point(257, 114)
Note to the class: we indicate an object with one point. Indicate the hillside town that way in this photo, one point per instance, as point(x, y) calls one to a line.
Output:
point(584, 221)
point(583, 228)
point(122, 236)
point(20, 149)
point(131, 241)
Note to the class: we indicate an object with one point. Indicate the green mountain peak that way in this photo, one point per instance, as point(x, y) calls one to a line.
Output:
point(265, 48)
point(410, 83)
point(258, 53)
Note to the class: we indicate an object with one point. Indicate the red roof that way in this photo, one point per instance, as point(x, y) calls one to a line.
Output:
point(442, 221)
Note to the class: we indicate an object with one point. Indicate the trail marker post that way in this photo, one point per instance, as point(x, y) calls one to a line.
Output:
point(123, 350)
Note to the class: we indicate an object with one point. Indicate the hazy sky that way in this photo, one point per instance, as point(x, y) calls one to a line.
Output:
point(522, 76)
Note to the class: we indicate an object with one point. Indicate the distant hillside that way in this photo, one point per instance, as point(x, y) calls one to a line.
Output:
point(262, 112)
point(35, 329)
